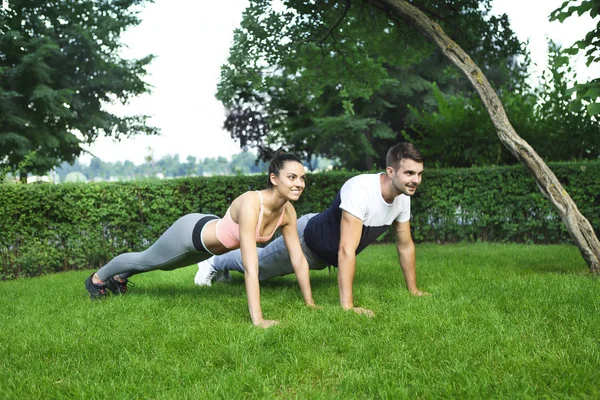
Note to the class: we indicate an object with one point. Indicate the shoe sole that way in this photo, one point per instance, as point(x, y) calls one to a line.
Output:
point(90, 284)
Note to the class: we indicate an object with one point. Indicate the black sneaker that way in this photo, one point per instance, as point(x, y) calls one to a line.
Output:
point(96, 291)
point(119, 286)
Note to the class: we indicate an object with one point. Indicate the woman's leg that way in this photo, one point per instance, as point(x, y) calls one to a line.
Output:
point(174, 249)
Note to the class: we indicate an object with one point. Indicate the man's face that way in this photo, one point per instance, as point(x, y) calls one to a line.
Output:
point(407, 177)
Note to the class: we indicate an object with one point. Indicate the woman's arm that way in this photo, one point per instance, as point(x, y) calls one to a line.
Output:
point(299, 263)
point(247, 212)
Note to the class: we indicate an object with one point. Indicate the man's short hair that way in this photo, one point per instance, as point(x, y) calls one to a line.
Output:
point(402, 150)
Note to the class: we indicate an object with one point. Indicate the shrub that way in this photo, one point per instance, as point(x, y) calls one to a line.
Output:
point(49, 228)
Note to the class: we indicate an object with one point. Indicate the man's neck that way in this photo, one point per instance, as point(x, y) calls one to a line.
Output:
point(388, 191)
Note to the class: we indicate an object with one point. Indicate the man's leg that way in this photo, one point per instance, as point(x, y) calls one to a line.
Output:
point(273, 260)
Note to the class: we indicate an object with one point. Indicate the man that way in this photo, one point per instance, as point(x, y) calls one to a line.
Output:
point(362, 210)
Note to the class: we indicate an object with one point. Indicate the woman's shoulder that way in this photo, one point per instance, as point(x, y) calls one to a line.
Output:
point(250, 195)
point(247, 204)
point(288, 211)
point(246, 199)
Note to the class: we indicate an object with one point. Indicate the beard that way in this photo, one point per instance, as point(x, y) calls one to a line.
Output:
point(407, 190)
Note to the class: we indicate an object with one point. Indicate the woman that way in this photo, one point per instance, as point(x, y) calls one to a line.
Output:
point(252, 218)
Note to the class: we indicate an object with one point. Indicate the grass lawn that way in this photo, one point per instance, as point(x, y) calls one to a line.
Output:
point(503, 321)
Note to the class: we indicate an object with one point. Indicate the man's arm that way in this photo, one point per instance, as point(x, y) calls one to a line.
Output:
point(407, 256)
point(350, 231)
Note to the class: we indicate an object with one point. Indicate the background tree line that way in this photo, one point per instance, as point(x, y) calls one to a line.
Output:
point(169, 166)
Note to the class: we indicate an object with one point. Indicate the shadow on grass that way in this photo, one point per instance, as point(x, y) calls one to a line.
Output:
point(542, 265)
point(172, 289)
point(287, 281)
point(232, 289)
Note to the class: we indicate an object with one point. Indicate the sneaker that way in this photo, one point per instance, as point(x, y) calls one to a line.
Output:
point(119, 286)
point(96, 290)
point(223, 276)
point(205, 274)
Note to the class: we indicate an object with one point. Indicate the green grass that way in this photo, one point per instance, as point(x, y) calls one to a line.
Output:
point(503, 321)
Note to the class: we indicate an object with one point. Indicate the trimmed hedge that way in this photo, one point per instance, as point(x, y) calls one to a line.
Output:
point(49, 228)
point(501, 204)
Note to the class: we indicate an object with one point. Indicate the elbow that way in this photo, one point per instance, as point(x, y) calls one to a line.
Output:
point(406, 246)
point(297, 263)
point(251, 271)
point(345, 252)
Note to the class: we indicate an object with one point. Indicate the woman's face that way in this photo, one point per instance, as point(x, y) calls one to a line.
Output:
point(290, 181)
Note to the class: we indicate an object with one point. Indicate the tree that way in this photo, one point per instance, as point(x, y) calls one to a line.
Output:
point(459, 133)
point(587, 93)
point(563, 129)
point(169, 165)
point(75, 176)
point(59, 66)
point(333, 78)
point(246, 163)
point(579, 227)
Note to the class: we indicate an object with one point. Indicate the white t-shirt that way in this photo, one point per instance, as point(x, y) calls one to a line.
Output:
point(361, 197)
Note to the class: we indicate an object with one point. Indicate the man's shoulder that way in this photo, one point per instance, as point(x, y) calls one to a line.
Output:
point(363, 182)
point(364, 177)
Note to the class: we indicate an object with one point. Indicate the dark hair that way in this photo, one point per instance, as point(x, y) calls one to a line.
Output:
point(402, 150)
point(277, 163)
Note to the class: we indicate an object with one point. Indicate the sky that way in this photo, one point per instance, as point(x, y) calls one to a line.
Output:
point(191, 41)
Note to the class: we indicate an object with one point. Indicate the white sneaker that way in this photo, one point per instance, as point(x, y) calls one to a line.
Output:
point(205, 274)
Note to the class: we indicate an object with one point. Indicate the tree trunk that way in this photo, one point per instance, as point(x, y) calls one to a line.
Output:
point(579, 227)
point(22, 176)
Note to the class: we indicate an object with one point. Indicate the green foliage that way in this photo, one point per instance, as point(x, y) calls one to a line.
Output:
point(589, 92)
point(59, 66)
point(334, 78)
point(49, 228)
point(500, 204)
point(459, 133)
point(504, 322)
point(561, 128)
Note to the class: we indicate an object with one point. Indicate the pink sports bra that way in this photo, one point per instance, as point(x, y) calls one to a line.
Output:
point(228, 231)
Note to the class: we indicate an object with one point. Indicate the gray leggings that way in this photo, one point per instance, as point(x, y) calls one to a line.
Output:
point(178, 247)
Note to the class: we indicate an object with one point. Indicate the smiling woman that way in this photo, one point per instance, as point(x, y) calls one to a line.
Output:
point(252, 218)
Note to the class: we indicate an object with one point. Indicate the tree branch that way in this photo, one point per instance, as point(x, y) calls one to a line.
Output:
point(338, 22)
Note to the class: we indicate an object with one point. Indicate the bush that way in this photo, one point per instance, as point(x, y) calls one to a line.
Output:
point(501, 204)
point(49, 228)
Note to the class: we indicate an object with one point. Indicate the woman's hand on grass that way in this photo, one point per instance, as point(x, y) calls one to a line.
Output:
point(266, 323)
point(419, 293)
point(363, 311)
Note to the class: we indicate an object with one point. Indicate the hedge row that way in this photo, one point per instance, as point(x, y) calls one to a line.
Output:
point(48, 228)
point(501, 204)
